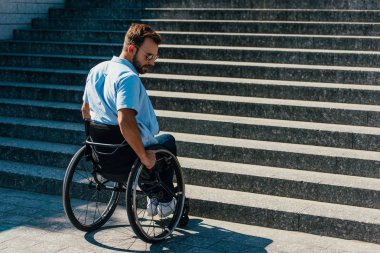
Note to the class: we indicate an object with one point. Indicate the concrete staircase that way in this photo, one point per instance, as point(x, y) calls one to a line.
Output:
point(275, 104)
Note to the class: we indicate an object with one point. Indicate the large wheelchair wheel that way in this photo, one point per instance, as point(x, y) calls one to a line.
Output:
point(143, 184)
point(89, 199)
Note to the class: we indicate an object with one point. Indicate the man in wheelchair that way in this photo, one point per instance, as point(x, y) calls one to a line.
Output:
point(119, 108)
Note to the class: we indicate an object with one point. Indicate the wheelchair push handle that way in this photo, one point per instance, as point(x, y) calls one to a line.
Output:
point(87, 127)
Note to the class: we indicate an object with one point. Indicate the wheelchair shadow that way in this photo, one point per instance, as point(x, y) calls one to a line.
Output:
point(197, 236)
point(116, 238)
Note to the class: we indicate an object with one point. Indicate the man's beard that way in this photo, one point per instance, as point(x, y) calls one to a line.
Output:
point(142, 69)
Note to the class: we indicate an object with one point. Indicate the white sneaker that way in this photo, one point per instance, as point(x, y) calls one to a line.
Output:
point(151, 207)
point(165, 209)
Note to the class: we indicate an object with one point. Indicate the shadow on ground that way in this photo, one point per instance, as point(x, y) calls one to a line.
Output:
point(44, 214)
point(196, 237)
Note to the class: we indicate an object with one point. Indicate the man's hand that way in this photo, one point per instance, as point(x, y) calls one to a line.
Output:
point(149, 160)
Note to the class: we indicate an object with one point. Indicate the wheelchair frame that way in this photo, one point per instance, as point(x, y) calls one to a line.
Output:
point(84, 181)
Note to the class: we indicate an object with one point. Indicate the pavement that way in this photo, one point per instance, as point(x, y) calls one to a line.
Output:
point(32, 222)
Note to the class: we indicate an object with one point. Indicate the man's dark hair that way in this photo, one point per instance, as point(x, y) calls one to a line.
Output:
point(137, 33)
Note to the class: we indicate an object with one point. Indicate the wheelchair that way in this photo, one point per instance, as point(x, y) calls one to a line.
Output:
point(90, 195)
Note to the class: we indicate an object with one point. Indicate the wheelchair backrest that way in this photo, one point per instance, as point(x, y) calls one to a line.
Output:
point(108, 148)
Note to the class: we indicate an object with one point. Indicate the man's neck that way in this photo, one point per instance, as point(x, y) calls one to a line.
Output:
point(125, 56)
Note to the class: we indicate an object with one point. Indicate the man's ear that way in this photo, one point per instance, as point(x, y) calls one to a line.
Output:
point(131, 48)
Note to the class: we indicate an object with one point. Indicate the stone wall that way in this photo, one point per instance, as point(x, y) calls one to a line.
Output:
point(15, 14)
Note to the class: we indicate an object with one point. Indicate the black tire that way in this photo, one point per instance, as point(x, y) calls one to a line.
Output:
point(153, 229)
point(184, 221)
point(89, 202)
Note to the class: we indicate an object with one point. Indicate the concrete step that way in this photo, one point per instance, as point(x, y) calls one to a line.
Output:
point(322, 112)
point(219, 14)
point(257, 70)
point(327, 92)
point(215, 53)
point(344, 136)
point(349, 190)
point(324, 187)
point(328, 135)
point(262, 4)
point(284, 155)
point(337, 113)
point(224, 26)
point(36, 152)
point(37, 75)
point(331, 42)
point(302, 215)
point(341, 221)
point(42, 130)
point(47, 92)
point(295, 156)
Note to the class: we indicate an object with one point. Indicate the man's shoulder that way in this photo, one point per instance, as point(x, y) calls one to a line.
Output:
point(100, 67)
point(121, 71)
point(129, 76)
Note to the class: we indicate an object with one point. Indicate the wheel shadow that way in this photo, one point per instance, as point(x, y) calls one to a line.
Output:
point(118, 238)
point(197, 236)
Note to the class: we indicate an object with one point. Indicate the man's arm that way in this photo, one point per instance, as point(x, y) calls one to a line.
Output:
point(129, 129)
point(86, 111)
